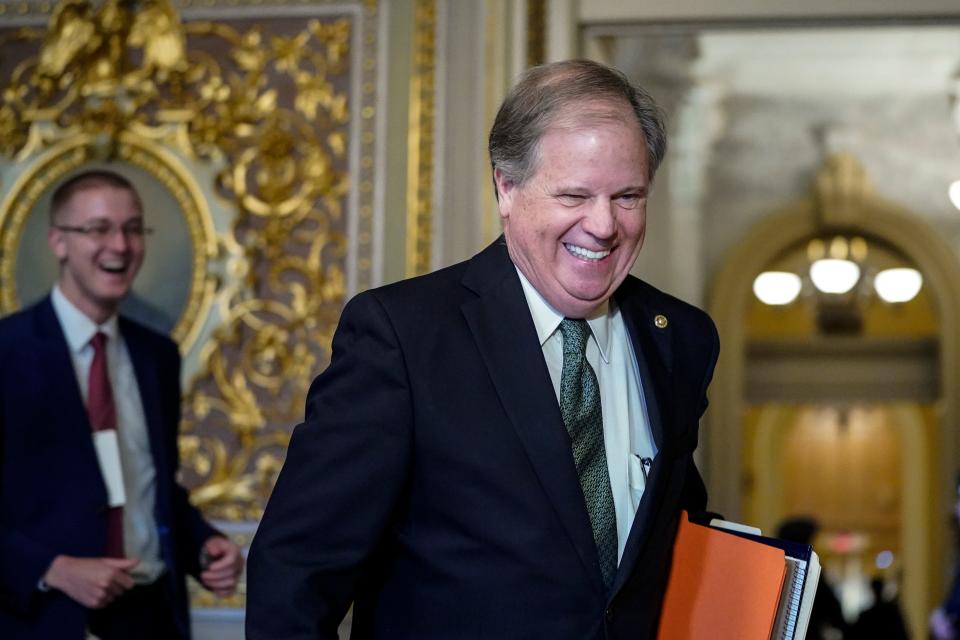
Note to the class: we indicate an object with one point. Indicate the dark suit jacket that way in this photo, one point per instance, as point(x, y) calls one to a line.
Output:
point(52, 496)
point(433, 483)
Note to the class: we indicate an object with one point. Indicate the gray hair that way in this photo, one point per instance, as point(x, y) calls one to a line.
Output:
point(548, 93)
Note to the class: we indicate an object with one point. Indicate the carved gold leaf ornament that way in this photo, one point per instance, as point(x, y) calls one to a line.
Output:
point(72, 33)
point(264, 111)
point(420, 141)
point(289, 51)
point(157, 31)
point(12, 135)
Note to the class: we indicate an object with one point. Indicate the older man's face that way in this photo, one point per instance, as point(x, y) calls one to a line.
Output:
point(576, 226)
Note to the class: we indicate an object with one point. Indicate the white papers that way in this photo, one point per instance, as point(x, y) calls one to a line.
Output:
point(734, 526)
point(108, 454)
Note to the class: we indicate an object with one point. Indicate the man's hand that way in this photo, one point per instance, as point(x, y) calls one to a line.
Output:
point(93, 582)
point(222, 563)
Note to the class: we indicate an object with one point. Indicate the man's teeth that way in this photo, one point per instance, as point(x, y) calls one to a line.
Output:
point(115, 267)
point(586, 253)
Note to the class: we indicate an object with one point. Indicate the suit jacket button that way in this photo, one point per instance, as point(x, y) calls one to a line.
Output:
point(609, 614)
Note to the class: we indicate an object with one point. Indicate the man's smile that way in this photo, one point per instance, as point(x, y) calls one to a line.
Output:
point(586, 254)
point(114, 266)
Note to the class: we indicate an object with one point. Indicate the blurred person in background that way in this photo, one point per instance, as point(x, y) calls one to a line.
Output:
point(945, 619)
point(96, 535)
point(826, 618)
point(882, 619)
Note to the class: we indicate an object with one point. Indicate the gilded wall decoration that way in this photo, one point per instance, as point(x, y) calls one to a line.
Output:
point(261, 128)
point(420, 140)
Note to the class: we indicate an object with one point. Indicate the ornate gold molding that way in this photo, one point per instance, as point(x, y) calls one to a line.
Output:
point(269, 122)
point(420, 140)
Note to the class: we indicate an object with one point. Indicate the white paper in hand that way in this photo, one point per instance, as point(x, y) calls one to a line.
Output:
point(108, 454)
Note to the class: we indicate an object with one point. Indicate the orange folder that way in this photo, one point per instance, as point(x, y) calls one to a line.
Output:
point(721, 586)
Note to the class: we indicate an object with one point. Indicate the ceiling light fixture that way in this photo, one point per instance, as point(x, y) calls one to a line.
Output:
point(832, 275)
point(777, 287)
point(954, 193)
point(898, 285)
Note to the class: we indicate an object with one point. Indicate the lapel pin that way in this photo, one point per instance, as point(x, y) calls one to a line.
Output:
point(661, 321)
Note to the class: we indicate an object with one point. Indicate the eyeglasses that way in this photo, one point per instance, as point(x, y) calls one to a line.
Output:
point(101, 231)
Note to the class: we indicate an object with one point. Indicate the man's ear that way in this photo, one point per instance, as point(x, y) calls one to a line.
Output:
point(505, 192)
point(56, 240)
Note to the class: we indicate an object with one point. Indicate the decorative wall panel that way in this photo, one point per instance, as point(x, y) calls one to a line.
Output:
point(251, 130)
point(420, 141)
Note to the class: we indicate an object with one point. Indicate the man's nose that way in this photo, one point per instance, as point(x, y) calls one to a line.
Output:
point(601, 220)
point(118, 239)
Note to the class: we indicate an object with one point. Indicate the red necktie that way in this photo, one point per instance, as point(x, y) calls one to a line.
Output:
point(103, 416)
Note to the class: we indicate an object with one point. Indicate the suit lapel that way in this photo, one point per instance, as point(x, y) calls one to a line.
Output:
point(653, 348)
point(52, 350)
point(507, 340)
point(61, 373)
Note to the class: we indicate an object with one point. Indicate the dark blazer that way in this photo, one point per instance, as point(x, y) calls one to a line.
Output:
point(432, 482)
point(52, 496)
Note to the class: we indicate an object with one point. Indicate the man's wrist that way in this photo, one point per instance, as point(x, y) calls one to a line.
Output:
point(43, 584)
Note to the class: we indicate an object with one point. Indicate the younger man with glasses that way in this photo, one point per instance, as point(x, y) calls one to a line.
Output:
point(96, 536)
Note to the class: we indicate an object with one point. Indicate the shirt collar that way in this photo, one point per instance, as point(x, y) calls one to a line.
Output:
point(77, 327)
point(546, 319)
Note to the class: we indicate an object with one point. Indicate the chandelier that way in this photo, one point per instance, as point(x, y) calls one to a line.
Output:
point(838, 273)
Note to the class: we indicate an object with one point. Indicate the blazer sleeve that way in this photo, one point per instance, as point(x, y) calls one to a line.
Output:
point(347, 467)
point(23, 560)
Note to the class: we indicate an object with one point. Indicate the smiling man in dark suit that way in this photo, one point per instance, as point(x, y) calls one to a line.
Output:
point(501, 449)
point(96, 536)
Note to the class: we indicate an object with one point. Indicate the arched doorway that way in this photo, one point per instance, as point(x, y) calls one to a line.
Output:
point(744, 463)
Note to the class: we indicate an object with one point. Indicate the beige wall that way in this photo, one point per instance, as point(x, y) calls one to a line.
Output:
point(630, 10)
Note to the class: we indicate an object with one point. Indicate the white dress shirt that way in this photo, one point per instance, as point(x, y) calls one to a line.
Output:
point(626, 427)
point(140, 537)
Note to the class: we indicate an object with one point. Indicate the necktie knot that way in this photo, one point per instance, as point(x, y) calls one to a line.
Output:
point(98, 341)
point(575, 335)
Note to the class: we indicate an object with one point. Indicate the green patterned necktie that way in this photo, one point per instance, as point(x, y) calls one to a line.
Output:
point(580, 408)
